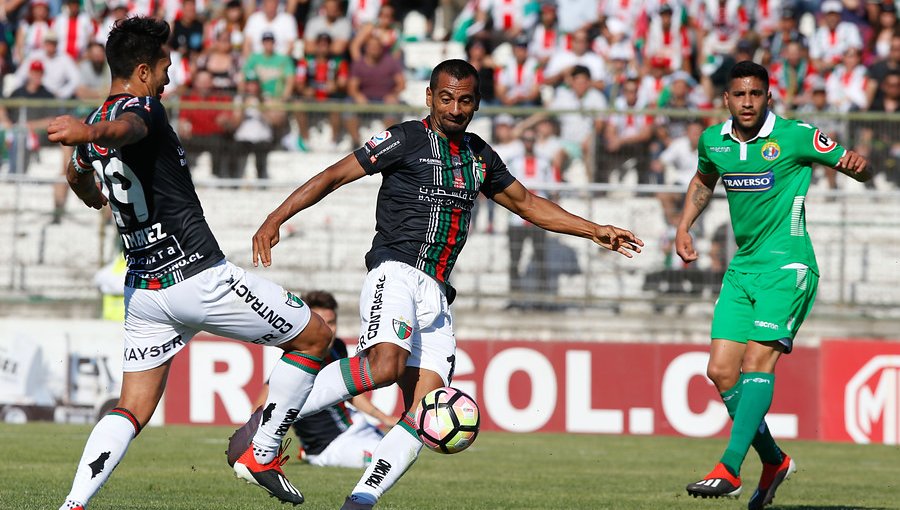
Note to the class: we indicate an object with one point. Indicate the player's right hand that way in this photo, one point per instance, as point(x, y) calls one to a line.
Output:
point(684, 246)
point(265, 238)
point(68, 130)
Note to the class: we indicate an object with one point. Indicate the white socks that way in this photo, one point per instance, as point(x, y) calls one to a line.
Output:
point(396, 452)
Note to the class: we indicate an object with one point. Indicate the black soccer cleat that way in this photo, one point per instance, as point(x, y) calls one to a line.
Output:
point(771, 478)
point(718, 483)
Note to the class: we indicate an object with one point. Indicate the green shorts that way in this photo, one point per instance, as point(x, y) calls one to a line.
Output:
point(764, 307)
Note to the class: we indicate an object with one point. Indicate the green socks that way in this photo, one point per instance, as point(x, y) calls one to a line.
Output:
point(747, 403)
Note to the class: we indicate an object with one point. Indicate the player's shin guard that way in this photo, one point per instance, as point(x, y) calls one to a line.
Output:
point(289, 386)
point(104, 449)
point(757, 389)
point(396, 452)
point(337, 382)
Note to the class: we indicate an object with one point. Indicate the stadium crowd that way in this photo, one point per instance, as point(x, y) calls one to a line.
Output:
point(567, 55)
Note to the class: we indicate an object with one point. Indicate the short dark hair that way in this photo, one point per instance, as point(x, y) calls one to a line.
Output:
point(320, 299)
point(749, 69)
point(579, 69)
point(459, 69)
point(134, 41)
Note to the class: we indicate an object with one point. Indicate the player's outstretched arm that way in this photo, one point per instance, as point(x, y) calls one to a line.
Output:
point(125, 130)
point(550, 216)
point(343, 172)
point(82, 183)
point(854, 165)
point(696, 199)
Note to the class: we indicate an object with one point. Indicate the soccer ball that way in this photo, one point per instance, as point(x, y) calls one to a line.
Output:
point(447, 420)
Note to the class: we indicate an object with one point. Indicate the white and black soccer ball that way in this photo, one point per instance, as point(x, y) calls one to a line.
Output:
point(447, 420)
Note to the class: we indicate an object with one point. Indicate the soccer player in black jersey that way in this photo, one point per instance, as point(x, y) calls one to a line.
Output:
point(432, 172)
point(178, 281)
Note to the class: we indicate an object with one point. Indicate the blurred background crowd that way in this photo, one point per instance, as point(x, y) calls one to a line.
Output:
point(575, 57)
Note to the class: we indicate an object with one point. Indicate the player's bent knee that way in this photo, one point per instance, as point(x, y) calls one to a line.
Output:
point(314, 339)
point(387, 362)
point(722, 376)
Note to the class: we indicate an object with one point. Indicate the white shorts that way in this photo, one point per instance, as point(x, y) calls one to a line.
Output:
point(404, 306)
point(223, 300)
point(353, 448)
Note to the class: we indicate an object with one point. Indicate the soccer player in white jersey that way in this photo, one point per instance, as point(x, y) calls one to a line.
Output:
point(432, 172)
point(178, 281)
point(765, 162)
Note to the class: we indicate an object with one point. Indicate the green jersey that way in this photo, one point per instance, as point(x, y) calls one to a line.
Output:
point(766, 180)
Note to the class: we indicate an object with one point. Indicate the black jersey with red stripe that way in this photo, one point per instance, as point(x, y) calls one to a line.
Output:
point(429, 186)
point(152, 197)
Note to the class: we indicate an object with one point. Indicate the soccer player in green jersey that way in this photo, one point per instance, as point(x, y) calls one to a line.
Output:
point(765, 164)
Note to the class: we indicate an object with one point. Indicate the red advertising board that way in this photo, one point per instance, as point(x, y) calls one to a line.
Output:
point(860, 393)
point(529, 386)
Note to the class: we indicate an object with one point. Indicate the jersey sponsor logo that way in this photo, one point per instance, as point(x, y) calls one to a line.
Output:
point(749, 182)
point(726, 148)
point(822, 143)
point(375, 311)
point(770, 151)
point(378, 139)
point(142, 353)
point(402, 328)
point(269, 315)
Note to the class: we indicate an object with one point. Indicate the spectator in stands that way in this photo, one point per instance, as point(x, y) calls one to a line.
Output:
point(519, 81)
point(628, 12)
point(549, 145)
point(364, 12)
point(23, 143)
point(231, 22)
point(576, 15)
point(679, 162)
point(879, 71)
point(450, 11)
point(654, 81)
point(789, 74)
point(847, 83)
point(269, 20)
point(506, 142)
point(833, 37)
point(579, 130)
point(187, 30)
point(562, 64)
point(478, 53)
point(766, 17)
point(275, 71)
point(787, 33)
point(880, 144)
point(118, 9)
point(321, 77)
point(668, 38)
point(680, 93)
point(222, 61)
point(31, 31)
point(376, 78)
point(60, 71)
point(533, 171)
point(613, 35)
point(332, 22)
point(883, 31)
point(621, 67)
point(507, 19)
point(208, 129)
point(627, 138)
point(94, 74)
point(75, 29)
point(257, 127)
point(546, 38)
point(721, 24)
point(385, 28)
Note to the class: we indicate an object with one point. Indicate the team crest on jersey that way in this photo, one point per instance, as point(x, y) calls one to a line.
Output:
point(771, 151)
point(402, 328)
point(823, 143)
point(293, 300)
point(749, 182)
point(378, 139)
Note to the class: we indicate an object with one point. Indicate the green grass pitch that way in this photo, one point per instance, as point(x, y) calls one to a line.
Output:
point(180, 467)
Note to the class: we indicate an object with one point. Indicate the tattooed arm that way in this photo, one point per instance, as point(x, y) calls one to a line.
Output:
point(698, 195)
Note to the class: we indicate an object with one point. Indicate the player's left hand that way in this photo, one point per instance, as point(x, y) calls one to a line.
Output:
point(95, 199)
point(617, 239)
point(68, 130)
